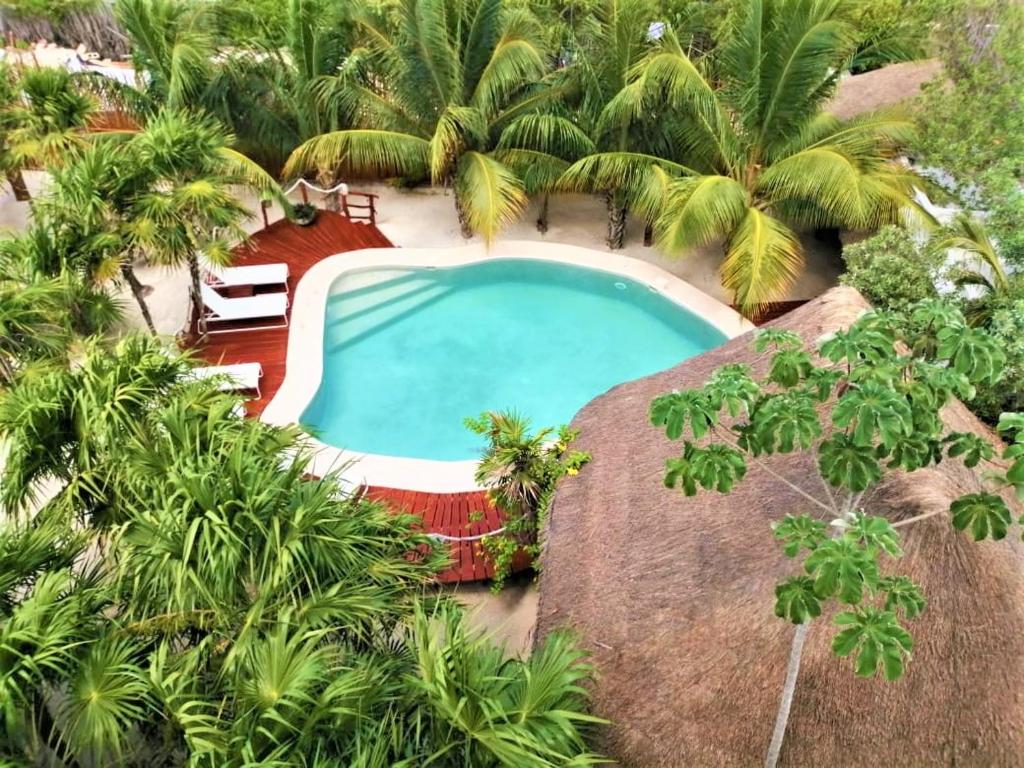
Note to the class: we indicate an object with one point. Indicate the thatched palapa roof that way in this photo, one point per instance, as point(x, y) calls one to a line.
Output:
point(883, 88)
point(674, 598)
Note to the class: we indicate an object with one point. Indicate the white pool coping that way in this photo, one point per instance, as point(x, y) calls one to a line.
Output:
point(304, 360)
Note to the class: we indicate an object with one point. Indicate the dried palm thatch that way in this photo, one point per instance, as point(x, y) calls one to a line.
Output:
point(674, 597)
point(884, 88)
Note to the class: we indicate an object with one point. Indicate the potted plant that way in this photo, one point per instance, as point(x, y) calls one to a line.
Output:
point(304, 214)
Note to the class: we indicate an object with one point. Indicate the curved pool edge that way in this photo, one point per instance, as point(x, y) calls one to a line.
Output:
point(304, 357)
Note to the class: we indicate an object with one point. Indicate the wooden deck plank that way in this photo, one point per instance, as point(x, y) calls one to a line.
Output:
point(450, 514)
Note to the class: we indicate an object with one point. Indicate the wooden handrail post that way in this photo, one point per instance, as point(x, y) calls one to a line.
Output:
point(305, 195)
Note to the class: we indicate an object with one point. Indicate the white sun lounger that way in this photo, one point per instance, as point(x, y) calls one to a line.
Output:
point(221, 309)
point(234, 378)
point(258, 274)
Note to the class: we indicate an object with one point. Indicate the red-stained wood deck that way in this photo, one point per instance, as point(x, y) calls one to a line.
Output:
point(300, 248)
point(452, 515)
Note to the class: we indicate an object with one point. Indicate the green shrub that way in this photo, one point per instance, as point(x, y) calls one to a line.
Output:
point(891, 270)
point(1007, 327)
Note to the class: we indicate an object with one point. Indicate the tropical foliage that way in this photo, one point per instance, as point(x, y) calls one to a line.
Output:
point(185, 592)
point(893, 270)
point(521, 468)
point(430, 94)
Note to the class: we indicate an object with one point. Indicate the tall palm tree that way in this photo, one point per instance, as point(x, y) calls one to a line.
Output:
point(45, 117)
point(761, 155)
point(430, 92)
point(187, 209)
point(268, 94)
point(89, 209)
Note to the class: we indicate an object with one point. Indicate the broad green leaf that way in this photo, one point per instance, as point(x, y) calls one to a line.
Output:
point(843, 566)
point(877, 637)
point(796, 601)
point(870, 339)
point(801, 531)
point(789, 366)
point(875, 533)
point(913, 452)
point(821, 381)
point(732, 388)
point(903, 594)
point(674, 410)
point(782, 423)
point(717, 467)
point(972, 352)
point(985, 514)
point(848, 465)
point(871, 408)
point(973, 448)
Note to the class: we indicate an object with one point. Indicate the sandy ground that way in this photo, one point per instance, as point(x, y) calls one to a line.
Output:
point(508, 617)
point(426, 218)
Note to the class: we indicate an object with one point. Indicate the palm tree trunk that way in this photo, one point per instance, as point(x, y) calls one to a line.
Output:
point(796, 651)
point(195, 294)
point(542, 219)
point(326, 179)
point(467, 231)
point(138, 291)
point(17, 182)
point(648, 235)
point(616, 221)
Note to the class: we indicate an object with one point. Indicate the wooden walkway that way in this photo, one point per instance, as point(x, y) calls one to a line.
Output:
point(300, 248)
point(464, 516)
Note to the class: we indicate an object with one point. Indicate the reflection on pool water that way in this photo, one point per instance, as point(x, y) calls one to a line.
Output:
point(409, 353)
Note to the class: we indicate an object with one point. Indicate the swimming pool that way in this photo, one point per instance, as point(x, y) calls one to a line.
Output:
point(408, 353)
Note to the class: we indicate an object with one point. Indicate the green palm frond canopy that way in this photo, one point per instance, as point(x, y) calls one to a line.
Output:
point(755, 157)
point(431, 97)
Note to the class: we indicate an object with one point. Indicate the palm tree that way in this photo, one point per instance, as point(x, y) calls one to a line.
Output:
point(970, 235)
point(268, 94)
point(45, 117)
point(761, 155)
point(188, 208)
point(90, 206)
point(43, 310)
point(430, 93)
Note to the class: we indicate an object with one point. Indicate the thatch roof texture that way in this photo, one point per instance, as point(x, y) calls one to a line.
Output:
point(674, 598)
point(883, 88)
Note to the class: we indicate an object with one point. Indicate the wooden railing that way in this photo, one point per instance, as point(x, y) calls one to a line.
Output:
point(355, 211)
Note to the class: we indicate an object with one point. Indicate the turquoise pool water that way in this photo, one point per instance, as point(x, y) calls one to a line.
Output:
point(409, 353)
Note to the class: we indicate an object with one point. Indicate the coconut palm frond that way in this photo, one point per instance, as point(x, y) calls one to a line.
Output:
point(457, 128)
point(380, 153)
point(253, 175)
point(490, 194)
point(515, 62)
point(970, 235)
point(763, 258)
point(616, 170)
point(701, 210)
point(538, 171)
point(548, 134)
